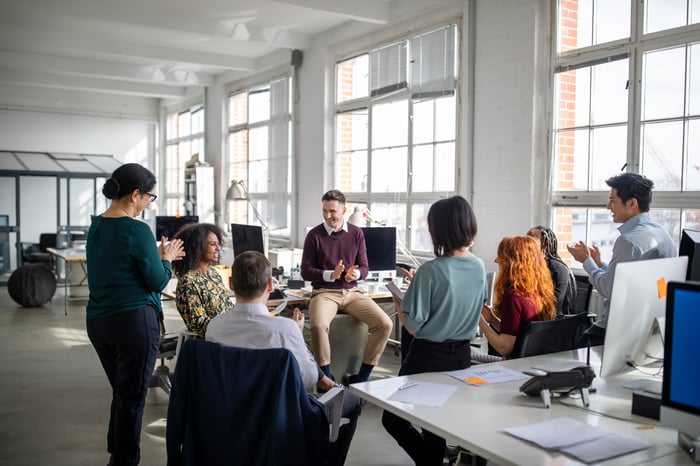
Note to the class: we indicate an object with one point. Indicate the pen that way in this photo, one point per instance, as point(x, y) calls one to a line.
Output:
point(408, 385)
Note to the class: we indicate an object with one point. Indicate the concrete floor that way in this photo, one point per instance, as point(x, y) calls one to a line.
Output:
point(54, 396)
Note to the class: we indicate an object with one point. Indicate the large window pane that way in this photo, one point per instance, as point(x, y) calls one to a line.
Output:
point(609, 93)
point(590, 22)
point(420, 236)
point(692, 165)
point(608, 154)
point(238, 109)
point(389, 170)
point(573, 98)
point(663, 83)
point(662, 154)
point(422, 170)
point(445, 118)
point(390, 124)
point(445, 167)
point(660, 15)
point(259, 105)
point(351, 171)
point(351, 130)
point(572, 160)
point(424, 121)
point(352, 78)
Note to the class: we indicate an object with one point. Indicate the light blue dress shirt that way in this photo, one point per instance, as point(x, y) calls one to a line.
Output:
point(640, 239)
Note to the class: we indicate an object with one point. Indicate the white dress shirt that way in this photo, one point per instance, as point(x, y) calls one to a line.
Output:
point(251, 326)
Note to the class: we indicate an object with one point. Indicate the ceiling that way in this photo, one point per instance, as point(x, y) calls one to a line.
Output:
point(158, 48)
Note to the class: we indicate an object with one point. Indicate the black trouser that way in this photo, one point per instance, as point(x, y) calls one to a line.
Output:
point(127, 345)
point(426, 448)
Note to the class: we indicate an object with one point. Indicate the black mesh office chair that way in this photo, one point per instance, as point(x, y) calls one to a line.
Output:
point(584, 289)
point(551, 336)
point(35, 253)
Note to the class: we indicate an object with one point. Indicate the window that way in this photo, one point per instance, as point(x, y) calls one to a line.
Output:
point(396, 130)
point(260, 154)
point(184, 139)
point(626, 98)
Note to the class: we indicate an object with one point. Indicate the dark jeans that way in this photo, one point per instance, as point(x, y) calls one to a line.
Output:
point(426, 448)
point(127, 345)
point(352, 407)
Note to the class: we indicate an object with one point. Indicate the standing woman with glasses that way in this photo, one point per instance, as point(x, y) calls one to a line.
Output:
point(200, 294)
point(126, 273)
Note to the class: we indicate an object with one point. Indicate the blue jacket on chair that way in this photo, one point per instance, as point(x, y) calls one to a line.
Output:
point(234, 406)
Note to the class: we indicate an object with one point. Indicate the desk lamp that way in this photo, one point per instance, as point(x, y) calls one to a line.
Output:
point(238, 191)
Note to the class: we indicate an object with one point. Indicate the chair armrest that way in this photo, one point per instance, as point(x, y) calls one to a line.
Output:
point(333, 401)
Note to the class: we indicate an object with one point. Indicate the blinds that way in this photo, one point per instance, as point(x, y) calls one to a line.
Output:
point(388, 69)
point(433, 63)
point(430, 57)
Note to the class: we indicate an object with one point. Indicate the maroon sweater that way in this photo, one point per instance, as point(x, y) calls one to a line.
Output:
point(322, 252)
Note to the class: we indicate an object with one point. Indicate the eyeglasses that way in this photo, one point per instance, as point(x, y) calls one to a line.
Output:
point(152, 197)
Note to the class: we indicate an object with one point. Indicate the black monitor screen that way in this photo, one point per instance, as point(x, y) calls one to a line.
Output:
point(690, 246)
point(167, 225)
point(381, 247)
point(246, 238)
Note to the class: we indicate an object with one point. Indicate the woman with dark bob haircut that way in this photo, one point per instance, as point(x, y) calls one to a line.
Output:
point(126, 273)
point(441, 310)
point(200, 294)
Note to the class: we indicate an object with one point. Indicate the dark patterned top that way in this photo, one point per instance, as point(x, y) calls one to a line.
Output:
point(199, 297)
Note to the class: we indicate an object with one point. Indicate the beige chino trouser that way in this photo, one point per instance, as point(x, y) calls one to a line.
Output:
point(325, 304)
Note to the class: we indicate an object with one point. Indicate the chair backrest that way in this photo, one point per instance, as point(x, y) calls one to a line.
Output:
point(584, 289)
point(47, 240)
point(550, 336)
point(239, 406)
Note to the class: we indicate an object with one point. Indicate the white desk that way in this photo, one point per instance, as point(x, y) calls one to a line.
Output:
point(474, 417)
point(70, 256)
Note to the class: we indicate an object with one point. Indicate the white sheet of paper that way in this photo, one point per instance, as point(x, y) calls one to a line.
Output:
point(605, 447)
point(491, 374)
point(557, 433)
point(425, 393)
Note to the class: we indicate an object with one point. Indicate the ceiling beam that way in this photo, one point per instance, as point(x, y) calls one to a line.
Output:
point(368, 11)
point(22, 38)
point(56, 81)
point(104, 70)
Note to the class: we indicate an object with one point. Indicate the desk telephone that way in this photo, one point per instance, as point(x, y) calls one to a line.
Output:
point(578, 378)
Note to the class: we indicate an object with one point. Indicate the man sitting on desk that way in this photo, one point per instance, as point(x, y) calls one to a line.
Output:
point(334, 258)
point(249, 325)
point(640, 239)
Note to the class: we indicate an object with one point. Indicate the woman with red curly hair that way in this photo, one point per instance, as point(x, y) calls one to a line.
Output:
point(523, 292)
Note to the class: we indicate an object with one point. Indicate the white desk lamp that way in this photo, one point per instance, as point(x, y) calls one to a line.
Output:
point(238, 191)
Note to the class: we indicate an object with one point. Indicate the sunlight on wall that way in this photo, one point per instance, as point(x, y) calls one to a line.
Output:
point(138, 153)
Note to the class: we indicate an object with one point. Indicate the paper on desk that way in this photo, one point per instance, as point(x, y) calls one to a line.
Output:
point(484, 375)
point(425, 393)
point(605, 447)
point(587, 443)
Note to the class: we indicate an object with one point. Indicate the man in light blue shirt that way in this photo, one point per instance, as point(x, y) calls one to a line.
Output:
point(640, 239)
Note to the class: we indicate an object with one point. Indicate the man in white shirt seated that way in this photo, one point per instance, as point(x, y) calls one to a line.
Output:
point(249, 325)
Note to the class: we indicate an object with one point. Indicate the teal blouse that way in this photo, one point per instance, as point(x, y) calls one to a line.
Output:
point(124, 268)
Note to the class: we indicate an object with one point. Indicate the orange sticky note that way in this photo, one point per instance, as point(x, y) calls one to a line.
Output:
point(475, 381)
point(661, 287)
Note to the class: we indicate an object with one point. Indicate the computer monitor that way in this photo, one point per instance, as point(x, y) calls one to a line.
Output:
point(690, 246)
point(381, 252)
point(246, 238)
point(680, 395)
point(638, 298)
point(167, 225)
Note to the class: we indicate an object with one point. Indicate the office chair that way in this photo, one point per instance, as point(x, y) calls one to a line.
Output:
point(238, 406)
point(35, 253)
point(168, 348)
point(551, 336)
point(584, 290)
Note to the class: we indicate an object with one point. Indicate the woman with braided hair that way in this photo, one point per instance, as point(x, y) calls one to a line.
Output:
point(562, 276)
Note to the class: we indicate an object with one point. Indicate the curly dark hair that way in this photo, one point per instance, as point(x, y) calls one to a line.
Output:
point(194, 239)
point(548, 242)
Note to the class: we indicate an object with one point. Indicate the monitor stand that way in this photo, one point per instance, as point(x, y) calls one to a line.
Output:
point(690, 445)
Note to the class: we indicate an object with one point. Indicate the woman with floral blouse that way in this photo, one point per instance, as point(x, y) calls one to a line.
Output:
point(200, 295)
